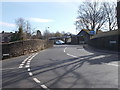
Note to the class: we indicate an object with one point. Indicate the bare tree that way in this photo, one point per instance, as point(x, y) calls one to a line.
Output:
point(24, 27)
point(110, 9)
point(28, 30)
point(91, 16)
point(118, 14)
point(21, 23)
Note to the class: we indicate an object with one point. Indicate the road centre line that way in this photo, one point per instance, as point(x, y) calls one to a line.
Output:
point(20, 66)
point(27, 66)
point(28, 69)
point(30, 73)
point(24, 61)
point(28, 60)
point(36, 80)
point(43, 86)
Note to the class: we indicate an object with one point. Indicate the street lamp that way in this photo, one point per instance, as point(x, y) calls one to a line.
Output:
point(47, 33)
point(46, 28)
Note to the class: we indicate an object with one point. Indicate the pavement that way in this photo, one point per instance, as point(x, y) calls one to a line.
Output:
point(62, 66)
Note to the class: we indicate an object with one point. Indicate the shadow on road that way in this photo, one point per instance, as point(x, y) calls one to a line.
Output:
point(69, 66)
point(76, 63)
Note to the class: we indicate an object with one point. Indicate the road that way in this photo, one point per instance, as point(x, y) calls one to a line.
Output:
point(63, 66)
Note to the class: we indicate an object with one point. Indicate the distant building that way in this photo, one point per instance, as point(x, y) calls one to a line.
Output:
point(83, 36)
point(5, 37)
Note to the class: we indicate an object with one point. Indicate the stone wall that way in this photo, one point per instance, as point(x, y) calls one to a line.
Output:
point(18, 48)
point(106, 41)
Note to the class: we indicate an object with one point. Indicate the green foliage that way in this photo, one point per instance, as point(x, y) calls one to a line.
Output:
point(14, 37)
point(57, 34)
point(20, 34)
point(17, 35)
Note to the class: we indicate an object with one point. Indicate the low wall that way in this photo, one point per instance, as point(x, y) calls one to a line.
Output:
point(18, 48)
point(106, 41)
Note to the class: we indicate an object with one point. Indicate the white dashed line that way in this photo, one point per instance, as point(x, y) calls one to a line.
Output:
point(36, 80)
point(27, 66)
point(20, 66)
point(43, 86)
point(28, 69)
point(30, 74)
point(27, 61)
point(23, 63)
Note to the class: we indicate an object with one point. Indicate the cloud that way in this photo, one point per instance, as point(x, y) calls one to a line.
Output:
point(76, 19)
point(7, 24)
point(41, 20)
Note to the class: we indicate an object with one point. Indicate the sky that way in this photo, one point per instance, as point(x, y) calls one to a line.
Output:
point(58, 16)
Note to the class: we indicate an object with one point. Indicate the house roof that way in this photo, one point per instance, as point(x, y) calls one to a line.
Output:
point(6, 34)
point(108, 33)
point(86, 30)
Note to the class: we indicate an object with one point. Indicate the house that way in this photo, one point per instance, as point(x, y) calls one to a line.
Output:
point(83, 36)
point(5, 37)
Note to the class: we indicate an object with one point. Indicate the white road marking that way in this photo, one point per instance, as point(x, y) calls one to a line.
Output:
point(71, 55)
point(23, 62)
point(112, 64)
point(20, 66)
point(28, 69)
point(28, 61)
point(97, 57)
point(65, 49)
point(28, 57)
point(27, 66)
point(43, 86)
point(30, 74)
point(36, 80)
